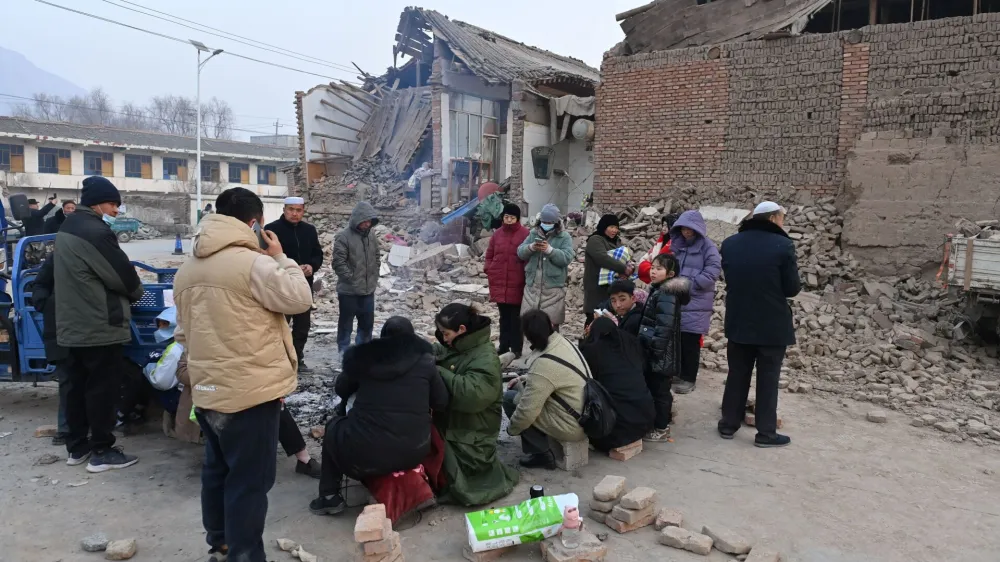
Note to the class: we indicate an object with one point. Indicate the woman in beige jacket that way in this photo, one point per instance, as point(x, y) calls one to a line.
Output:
point(532, 402)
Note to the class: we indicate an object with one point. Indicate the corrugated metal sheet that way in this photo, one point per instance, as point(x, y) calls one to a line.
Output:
point(130, 138)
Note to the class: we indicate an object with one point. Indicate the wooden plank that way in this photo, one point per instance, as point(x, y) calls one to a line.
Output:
point(315, 134)
point(635, 11)
point(968, 262)
point(354, 95)
point(872, 12)
point(341, 110)
point(331, 121)
point(337, 93)
point(336, 155)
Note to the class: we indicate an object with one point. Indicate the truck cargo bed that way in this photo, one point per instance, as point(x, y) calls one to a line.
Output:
point(974, 264)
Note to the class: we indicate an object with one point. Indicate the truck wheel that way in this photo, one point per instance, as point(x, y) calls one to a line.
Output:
point(124, 237)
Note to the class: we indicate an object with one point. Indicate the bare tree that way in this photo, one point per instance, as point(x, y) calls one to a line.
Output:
point(169, 114)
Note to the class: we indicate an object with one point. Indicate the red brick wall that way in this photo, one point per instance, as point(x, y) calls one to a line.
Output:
point(853, 97)
point(658, 127)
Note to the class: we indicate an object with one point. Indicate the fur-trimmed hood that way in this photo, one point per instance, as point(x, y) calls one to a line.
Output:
point(386, 358)
point(675, 286)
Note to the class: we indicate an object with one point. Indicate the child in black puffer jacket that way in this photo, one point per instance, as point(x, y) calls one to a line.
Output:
point(660, 332)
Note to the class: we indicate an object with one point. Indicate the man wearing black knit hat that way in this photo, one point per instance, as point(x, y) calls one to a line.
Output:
point(95, 285)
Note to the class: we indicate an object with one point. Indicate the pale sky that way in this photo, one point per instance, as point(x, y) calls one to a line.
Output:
point(131, 65)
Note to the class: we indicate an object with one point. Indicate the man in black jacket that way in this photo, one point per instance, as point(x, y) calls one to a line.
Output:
point(301, 243)
point(35, 224)
point(53, 223)
point(95, 286)
point(43, 299)
point(761, 273)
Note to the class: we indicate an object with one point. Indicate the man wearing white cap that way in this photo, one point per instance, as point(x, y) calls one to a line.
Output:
point(761, 273)
point(301, 243)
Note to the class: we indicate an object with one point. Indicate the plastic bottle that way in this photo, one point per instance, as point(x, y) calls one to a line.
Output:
point(572, 525)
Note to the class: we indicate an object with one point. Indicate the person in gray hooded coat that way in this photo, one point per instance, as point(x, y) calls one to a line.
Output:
point(356, 260)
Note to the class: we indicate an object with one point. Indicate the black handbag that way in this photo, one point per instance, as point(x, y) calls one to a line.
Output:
point(598, 417)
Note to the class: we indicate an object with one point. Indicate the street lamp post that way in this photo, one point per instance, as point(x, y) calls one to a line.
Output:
point(200, 47)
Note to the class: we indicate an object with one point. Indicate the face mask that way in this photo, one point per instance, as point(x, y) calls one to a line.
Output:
point(108, 219)
point(547, 226)
point(163, 334)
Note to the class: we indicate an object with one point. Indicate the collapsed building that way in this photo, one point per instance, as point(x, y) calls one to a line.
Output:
point(476, 106)
point(891, 106)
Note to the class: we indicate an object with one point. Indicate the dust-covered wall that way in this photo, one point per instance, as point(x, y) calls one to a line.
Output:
point(900, 121)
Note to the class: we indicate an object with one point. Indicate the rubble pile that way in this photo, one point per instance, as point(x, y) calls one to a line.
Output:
point(146, 232)
point(374, 177)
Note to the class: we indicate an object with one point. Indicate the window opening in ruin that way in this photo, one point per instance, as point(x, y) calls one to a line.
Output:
point(474, 129)
point(842, 15)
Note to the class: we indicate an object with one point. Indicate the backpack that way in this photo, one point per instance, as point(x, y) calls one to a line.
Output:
point(598, 417)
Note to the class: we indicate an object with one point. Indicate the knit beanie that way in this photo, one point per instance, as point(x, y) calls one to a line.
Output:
point(550, 214)
point(512, 210)
point(97, 190)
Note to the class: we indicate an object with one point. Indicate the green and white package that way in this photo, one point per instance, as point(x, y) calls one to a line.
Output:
point(532, 521)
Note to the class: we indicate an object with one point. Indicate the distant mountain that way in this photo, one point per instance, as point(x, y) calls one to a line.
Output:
point(20, 77)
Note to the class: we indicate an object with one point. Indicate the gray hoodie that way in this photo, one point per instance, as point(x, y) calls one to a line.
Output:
point(356, 255)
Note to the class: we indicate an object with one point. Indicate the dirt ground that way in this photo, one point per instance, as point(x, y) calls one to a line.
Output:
point(846, 491)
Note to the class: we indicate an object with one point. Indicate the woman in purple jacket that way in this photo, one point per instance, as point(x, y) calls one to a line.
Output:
point(701, 263)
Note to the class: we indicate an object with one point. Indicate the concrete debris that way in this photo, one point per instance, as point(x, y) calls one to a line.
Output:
point(47, 458)
point(287, 545)
point(877, 416)
point(679, 537)
point(725, 540)
point(609, 489)
point(95, 543)
point(374, 179)
point(120, 550)
point(668, 518)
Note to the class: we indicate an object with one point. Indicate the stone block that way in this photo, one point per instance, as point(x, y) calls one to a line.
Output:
point(488, 556)
point(610, 488)
point(668, 518)
point(46, 431)
point(571, 455)
point(603, 507)
point(679, 537)
point(639, 498)
point(121, 550)
point(598, 516)
point(759, 554)
point(383, 546)
point(372, 525)
point(726, 540)
point(877, 416)
point(622, 527)
point(591, 549)
point(631, 516)
point(395, 555)
point(627, 452)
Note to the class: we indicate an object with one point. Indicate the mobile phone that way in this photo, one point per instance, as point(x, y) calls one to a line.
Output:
point(260, 236)
point(51, 197)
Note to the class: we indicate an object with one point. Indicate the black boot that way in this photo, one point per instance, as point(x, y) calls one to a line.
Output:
point(544, 460)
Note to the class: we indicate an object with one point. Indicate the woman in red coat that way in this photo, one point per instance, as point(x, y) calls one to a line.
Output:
point(505, 272)
point(662, 246)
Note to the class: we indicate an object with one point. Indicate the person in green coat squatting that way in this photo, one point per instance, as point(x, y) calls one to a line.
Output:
point(470, 367)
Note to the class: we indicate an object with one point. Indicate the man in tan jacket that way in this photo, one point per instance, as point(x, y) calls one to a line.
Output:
point(232, 298)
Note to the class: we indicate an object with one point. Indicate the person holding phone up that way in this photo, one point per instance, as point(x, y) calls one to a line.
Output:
point(548, 249)
point(35, 224)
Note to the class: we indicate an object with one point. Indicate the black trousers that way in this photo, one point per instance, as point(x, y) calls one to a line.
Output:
point(690, 356)
point(288, 433)
point(510, 329)
point(300, 324)
point(663, 399)
point(238, 473)
point(94, 376)
point(742, 359)
point(354, 306)
point(533, 440)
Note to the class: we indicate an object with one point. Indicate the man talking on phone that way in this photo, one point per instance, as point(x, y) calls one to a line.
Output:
point(232, 299)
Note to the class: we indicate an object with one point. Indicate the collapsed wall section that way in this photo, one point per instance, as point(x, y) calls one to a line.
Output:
point(901, 121)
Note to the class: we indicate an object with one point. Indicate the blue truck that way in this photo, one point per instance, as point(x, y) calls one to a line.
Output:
point(22, 351)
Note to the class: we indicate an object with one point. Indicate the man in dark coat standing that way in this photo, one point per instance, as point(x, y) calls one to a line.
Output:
point(761, 273)
point(35, 224)
point(95, 285)
point(53, 223)
point(301, 244)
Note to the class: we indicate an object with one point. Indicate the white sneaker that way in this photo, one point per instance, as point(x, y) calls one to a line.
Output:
point(77, 460)
point(658, 436)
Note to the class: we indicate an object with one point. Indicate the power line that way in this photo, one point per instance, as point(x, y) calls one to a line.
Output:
point(110, 111)
point(230, 53)
point(275, 49)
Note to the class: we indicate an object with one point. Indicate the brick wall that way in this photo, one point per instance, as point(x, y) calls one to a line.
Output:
point(868, 115)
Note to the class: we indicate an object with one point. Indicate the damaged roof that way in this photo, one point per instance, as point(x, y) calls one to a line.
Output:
point(677, 24)
point(58, 131)
point(490, 56)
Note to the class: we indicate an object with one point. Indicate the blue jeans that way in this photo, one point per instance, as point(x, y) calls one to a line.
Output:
point(361, 307)
point(238, 473)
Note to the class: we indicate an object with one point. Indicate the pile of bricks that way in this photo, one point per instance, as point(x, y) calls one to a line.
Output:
point(620, 511)
point(377, 542)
